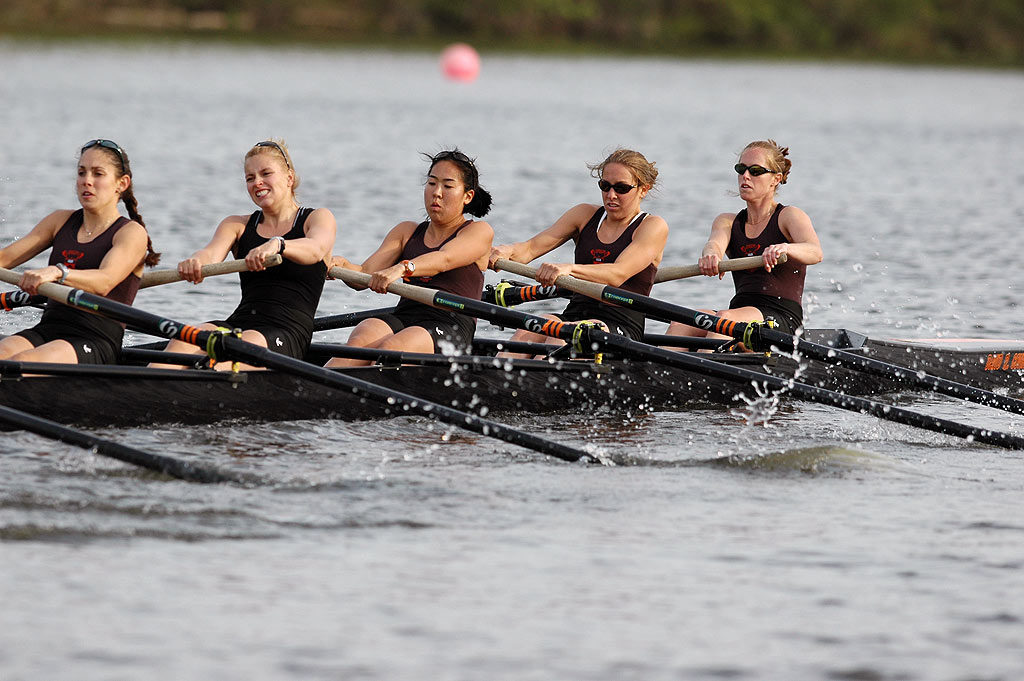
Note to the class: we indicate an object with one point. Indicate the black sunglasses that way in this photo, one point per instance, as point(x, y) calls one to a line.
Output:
point(619, 187)
point(107, 144)
point(755, 170)
point(275, 145)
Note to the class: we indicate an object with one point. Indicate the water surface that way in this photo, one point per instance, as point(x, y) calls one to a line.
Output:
point(822, 545)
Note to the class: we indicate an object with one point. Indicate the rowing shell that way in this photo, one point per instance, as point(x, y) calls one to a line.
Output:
point(136, 396)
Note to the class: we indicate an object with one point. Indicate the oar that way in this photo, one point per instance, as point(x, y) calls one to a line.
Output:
point(10, 300)
point(347, 319)
point(155, 462)
point(508, 294)
point(221, 345)
point(158, 277)
point(589, 336)
point(729, 265)
point(760, 336)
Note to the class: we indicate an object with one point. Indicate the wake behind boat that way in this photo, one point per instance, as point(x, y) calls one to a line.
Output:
point(133, 395)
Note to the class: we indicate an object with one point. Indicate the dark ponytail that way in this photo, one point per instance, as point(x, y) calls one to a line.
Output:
point(132, 204)
point(480, 204)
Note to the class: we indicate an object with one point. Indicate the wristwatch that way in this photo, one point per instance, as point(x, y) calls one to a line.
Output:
point(410, 268)
point(279, 239)
point(64, 271)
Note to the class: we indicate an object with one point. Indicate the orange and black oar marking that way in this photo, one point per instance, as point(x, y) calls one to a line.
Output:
point(11, 300)
point(224, 345)
point(758, 336)
point(626, 347)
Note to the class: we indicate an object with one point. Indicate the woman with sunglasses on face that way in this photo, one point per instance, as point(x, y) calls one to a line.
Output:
point(94, 249)
point(765, 227)
point(616, 244)
point(278, 303)
point(446, 252)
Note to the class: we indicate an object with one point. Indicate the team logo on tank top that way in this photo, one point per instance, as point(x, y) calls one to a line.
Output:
point(71, 257)
point(750, 249)
point(599, 254)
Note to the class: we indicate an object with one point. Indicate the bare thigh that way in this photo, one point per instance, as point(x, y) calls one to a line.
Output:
point(367, 334)
point(55, 351)
point(12, 345)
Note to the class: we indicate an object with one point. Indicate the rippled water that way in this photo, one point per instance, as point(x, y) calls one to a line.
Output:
point(820, 546)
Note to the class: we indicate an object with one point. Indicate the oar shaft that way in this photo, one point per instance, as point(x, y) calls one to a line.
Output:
point(228, 347)
point(729, 265)
point(347, 319)
point(696, 363)
point(764, 337)
point(155, 462)
point(159, 277)
point(10, 300)
point(805, 392)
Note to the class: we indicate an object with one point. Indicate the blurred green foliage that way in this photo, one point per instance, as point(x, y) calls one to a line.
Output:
point(938, 31)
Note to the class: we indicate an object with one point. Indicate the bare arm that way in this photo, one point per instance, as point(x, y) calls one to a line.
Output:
point(471, 246)
point(126, 255)
point(564, 228)
point(386, 255)
point(803, 246)
point(320, 229)
point(714, 248)
point(228, 232)
point(35, 242)
point(646, 248)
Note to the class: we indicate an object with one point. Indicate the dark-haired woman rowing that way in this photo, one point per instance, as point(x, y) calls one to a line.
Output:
point(94, 249)
point(447, 252)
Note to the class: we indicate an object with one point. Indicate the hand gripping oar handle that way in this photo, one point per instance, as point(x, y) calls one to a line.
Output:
point(158, 277)
point(729, 265)
point(224, 346)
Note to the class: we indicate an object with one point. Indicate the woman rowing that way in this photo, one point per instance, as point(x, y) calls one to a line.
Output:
point(446, 252)
point(94, 249)
point(278, 303)
point(765, 227)
point(616, 244)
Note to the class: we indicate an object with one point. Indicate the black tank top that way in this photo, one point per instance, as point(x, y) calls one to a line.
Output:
point(67, 249)
point(786, 281)
point(466, 281)
point(287, 295)
point(591, 250)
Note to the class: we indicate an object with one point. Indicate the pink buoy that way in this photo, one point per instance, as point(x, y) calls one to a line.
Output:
point(460, 62)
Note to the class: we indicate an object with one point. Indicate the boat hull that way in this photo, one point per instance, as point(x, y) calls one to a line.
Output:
point(135, 396)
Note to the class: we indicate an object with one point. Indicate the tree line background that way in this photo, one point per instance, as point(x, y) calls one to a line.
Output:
point(988, 32)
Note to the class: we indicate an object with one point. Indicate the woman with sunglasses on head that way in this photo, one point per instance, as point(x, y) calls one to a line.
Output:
point(616, 244)
point(278, 303)
point(446, 252)
point(94, 249)
point(765, 227)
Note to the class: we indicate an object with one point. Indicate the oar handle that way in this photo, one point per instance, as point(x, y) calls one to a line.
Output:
point(729, 265)
point(587, 288)
point(158, 277)
point(362, 279)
